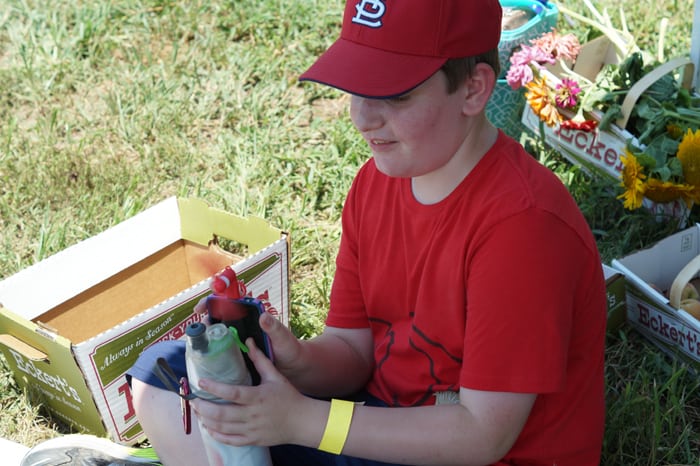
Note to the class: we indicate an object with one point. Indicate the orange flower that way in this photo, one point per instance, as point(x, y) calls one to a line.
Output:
point(540, 97)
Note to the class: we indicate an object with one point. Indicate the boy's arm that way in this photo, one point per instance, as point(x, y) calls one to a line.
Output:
point(338, 362)
point(480, 430)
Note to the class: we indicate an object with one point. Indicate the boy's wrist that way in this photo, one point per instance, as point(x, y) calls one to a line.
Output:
point(307, 423)
point(337, 426)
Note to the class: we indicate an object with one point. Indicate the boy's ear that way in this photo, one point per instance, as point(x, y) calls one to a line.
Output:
point(478, 89)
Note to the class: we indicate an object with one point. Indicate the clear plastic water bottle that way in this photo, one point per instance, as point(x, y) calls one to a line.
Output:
point(213, 353)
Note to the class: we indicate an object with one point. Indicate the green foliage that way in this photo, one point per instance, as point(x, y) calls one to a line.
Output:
point(660, 117)
point(108, 107)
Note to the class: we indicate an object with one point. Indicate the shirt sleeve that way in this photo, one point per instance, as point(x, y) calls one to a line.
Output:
point(521, 286)
point(347, 309)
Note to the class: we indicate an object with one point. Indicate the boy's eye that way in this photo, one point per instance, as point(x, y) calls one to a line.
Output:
point(401, 98)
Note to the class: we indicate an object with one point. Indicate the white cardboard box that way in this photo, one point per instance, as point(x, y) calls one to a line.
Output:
point(648, 309)
point(615, 293)
point(72, 324)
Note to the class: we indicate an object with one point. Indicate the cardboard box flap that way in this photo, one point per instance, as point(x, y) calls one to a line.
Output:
point(660, 263)
point(199, 222)
point(43, 364)
point(129, 241)
point(596, 54)
point(609, 272)
point(23, 348)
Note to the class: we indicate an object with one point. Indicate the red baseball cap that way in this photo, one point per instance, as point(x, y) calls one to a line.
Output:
point(388, 47)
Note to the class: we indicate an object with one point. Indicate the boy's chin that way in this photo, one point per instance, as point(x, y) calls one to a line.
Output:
point(391, 169)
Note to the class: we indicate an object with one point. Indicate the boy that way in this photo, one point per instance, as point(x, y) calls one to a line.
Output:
point(467, 311)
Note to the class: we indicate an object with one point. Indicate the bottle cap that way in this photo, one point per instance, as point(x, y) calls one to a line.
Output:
point(220, 338)
point(196, 334)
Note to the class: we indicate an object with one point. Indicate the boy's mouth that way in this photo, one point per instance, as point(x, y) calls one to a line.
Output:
point(379, 142)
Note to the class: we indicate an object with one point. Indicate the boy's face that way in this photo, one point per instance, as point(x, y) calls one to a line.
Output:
point(416, 133)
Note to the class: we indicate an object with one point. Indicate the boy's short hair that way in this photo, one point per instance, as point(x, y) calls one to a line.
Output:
point(459, 69)
point(388, 47)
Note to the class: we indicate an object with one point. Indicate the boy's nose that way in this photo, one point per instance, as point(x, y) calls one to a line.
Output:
point(365, 113)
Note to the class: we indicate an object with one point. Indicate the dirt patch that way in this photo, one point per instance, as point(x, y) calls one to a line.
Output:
point(330, 109)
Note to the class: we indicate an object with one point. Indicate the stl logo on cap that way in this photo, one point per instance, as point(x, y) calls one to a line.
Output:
point(369, 13)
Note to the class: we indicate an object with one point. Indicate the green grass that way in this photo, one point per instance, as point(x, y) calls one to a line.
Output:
point(108, 107)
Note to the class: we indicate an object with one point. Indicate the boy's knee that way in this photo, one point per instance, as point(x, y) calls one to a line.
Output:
point(145, 396)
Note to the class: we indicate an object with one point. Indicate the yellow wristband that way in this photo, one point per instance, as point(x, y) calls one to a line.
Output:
point(337, 427)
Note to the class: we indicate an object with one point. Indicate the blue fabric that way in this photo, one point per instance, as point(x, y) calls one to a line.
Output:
point(282, 455)
point(173, 351)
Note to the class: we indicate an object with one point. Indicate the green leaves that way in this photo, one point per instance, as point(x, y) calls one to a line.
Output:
point(658, 120)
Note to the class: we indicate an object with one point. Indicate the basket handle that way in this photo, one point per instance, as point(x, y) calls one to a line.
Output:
point(683, 277)
point(650, 78)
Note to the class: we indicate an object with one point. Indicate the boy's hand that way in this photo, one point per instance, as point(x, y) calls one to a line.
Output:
point(268, 414)
point(285, 346)
point(201, 306)
point(287, 349)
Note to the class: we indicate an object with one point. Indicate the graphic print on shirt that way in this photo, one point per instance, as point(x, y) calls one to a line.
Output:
point(428, 360)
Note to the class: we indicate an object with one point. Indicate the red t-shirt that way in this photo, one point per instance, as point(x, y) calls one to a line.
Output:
point(498, 287)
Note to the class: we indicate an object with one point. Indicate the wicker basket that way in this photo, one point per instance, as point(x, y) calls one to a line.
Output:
point(684, 277)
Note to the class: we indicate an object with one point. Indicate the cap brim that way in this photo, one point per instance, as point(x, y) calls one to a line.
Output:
point(369, 72)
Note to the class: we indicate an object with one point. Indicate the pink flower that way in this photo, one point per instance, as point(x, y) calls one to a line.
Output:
point(565, 93)
point(522, 63)
point(564, 47)
point(519, 75)
point(532, 54)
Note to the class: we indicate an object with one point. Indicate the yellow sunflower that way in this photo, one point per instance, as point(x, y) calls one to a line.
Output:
point(667, 191)
point(540, 97)
point(633, 181)
point(689, 156)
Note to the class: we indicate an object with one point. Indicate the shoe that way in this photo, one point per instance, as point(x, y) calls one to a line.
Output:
point(86, 450)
